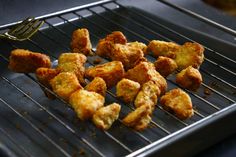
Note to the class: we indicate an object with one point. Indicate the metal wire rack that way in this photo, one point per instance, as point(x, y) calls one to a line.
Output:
point(32, 125)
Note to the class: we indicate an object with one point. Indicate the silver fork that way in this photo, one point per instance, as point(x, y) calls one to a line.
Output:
point(23, 30)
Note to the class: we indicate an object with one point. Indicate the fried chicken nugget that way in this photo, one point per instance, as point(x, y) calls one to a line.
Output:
point(110, 72)
point(104, 45)
point(147, 95)
point(138, 45)
point(139, 118)
point(80, 42)
point(86, 103)
point(64, 84)
point(104, 117)
point(73, 62)
point(165, 66)
point(44, 75)
point(190, 54)
point(25, 61)
point(98, 85)
point(178, 102)
point(163, 48)
point(127, 90)
point(189, 78)
point(145, 71)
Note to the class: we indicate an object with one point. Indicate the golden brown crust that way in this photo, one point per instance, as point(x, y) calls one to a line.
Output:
point(139, 118)
point(178, 102)
point(190, 54)
point(72, 57)
point(111, 72)
point(163, 48)
point(104, 117)
point(165, 66)
point(64, 84)
point(127, 90)
point(189, 78)
point(86, 103)
point(98, 85)
point(25, 61)
point(44, 75)
point(138, 45)
point(80, 42)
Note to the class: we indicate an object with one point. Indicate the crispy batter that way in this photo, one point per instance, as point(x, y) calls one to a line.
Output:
point(189, 78)
point(127, 90)
point(104, 117)
point(139, 45)
point(163, 48)
point(147, 95)
point(80, 42)
point(44, 75)
point(139, 118)
point(165, 66)
point(64, 84)
point(73, 62)
point(86, 103)
point(98, 85)
point(190, 54)
point(111, 72)
point(128, 55)
point(178, 102)
point(25, 61)
point(145, 71)
point(105, 45)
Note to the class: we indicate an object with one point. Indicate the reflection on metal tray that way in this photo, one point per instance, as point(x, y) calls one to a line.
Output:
point(32, 125)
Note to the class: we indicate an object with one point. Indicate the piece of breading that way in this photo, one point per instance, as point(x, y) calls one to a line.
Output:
point(86, 103)
point(145, 71)
point(148, 95)
point(190, 54)
point(165, 66)
point(128, 55)
point(110, 72)
point(104, 45)
point(138, 45)
point(73, 62)
point(189, 78)
point(127, 90)
point(64, 84)
point(80, 42)
point(162, 48)
point(139, 118)
point(25, 61)
point(44, 75)
point(178, 102)
point(104, 117)
point(98, 85)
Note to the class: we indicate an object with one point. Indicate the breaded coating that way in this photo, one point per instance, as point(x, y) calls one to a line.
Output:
point(127, 90)
point(163, 48)
point(139, 118)
point(139, 45)
point(98, 85)
point(104, 117)
point(44, 75)
point(110, 72)
point(80, 42)
point(105, 45)
point(189, 78)
point(25, 61)
point(190, 54)
point(73, 62)
point(165, 66)
point(64, 84)
point(178, 102)
point(86, 103)
point(128, 55)
point(145, 71)
point(147, 95)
